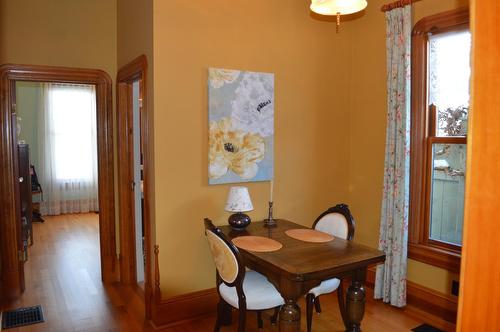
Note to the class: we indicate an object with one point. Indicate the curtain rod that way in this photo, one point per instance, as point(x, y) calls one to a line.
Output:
point(396, 4)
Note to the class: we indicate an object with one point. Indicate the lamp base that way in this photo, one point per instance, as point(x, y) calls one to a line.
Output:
point(239, 221)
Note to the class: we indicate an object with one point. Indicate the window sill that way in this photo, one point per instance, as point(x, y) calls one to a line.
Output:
point(446, 259)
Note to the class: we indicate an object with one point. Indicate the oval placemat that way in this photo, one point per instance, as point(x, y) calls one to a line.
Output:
point(309, 235)
point(257, 243)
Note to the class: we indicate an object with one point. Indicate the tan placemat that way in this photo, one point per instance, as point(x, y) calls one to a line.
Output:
point(257, 243)
point(309, 235)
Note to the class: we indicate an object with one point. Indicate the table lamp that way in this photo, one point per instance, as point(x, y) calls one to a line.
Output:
point(238, 200)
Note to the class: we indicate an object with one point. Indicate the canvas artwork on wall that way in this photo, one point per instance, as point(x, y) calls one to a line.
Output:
point(241, 126)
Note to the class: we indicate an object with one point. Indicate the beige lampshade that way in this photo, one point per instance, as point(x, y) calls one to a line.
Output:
point(238, 200)
point(334, 7)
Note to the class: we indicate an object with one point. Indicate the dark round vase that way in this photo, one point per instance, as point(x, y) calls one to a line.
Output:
point(239, 221)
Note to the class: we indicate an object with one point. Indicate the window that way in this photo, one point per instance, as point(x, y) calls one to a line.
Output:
point(73, 129)
point(440, 105)
point(67, 143)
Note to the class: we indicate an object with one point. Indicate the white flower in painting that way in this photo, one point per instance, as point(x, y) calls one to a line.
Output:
point(218, 77)
point(253, 106)
point(232, 149)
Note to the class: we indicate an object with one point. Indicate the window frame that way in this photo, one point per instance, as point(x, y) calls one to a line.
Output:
point(420, 246)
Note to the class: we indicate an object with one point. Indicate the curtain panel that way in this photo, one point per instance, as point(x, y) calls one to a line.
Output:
point(390, 282)
point(67, 141)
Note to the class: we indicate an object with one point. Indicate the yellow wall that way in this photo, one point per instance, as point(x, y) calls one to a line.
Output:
point(135, 30)
point(311, 137)
point(68, 33)
point(367, 129)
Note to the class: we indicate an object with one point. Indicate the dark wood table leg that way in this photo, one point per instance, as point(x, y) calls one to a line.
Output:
point(353, 308)
point(290, 311)
point(290, 316)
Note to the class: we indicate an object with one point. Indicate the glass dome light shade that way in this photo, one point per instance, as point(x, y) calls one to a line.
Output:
point(334, 7)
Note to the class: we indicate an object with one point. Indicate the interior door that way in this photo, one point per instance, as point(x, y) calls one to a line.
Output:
point(22, 239)
point(126, 184)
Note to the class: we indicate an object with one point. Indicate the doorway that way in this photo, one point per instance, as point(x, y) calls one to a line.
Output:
point(11, 229)
point(133, 179)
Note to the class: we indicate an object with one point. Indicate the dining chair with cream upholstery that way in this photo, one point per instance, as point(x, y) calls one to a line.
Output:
point(241, 289)
point(336, 221)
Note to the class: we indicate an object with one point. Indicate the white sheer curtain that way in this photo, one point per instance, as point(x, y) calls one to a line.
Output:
point(67, 143)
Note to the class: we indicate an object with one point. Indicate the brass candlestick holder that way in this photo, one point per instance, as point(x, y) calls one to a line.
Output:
point(270, 222)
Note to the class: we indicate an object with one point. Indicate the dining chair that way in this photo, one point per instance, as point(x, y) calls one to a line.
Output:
point(241, 289)
point(336, 221)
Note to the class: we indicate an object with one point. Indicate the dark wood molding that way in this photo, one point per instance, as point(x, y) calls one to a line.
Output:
point(436, 256)
point(455, 19)
point(157, 289)
point(133, 71)
point(182, 308)
point(9, 73)
point(179, 309)
point(425, 299)
point(419, 246)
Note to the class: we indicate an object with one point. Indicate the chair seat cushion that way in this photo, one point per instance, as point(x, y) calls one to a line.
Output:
point(259, 292)
point(326, 286)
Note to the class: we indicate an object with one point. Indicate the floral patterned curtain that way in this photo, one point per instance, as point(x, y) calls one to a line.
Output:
point(390, 283)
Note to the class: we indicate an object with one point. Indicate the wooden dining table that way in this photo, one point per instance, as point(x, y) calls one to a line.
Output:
point(299, 266)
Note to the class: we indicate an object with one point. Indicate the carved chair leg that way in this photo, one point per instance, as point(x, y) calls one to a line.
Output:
point(309, 310)
point(217, 323)
point(260, 323)
point(274, 317)
point(221, 306)
point(224, 313)
point(317, 305)
point(242, 319)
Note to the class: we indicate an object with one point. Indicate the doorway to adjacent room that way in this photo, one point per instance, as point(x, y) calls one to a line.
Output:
point(133, 179)
point(58, 168)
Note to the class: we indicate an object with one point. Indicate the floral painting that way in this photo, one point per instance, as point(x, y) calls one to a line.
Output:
point(241, 126)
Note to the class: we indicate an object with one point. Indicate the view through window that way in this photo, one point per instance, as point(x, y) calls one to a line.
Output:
point(448, 81)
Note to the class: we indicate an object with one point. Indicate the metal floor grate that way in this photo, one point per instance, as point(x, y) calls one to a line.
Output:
point(426, 328)
point(22, 316)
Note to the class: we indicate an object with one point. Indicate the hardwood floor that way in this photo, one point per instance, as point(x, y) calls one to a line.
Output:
point(63, 275)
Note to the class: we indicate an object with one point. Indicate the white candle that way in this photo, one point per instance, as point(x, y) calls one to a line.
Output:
point(271, 196)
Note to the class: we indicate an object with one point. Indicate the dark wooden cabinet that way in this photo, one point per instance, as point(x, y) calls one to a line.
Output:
point(25, 196)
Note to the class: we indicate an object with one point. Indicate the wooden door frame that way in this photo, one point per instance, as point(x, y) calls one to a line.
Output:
point(133, 71)
point(478, 308)
point(9, 73)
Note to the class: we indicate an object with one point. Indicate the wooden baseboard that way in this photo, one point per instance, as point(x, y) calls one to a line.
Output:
point(425, 299)
point(185, 307)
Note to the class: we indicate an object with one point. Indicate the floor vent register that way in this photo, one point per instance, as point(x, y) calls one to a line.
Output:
point(22, 317)
point(426, 328)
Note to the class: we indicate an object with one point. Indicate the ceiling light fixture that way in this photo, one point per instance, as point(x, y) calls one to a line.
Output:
point(337, 7)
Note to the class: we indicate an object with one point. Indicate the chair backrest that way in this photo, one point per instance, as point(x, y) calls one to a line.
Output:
point(225, 254)
point(337, 221)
